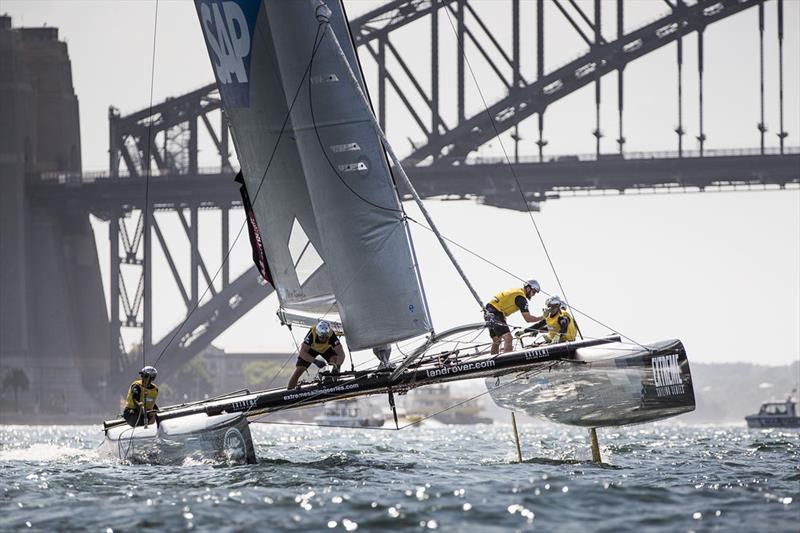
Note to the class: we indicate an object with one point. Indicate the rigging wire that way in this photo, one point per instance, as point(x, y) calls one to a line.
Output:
point(315, 48)
point(146, 215)
point(147, 236)
point(260, 420)
point(511, 168)
point(353, 279)
point(317, 42)
point(355, 380)
point(508, 160)
point(291, 356)
point(322, 145)
point(495, 265)
point(359, 378)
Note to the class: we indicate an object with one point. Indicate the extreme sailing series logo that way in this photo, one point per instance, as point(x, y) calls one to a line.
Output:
point(667, 375)
point(317, 392)
point(228, 28)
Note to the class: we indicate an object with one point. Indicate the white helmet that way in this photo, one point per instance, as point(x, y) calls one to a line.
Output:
point(533, 284)
point(148, 372)
point(323, 329)
point(553, 301)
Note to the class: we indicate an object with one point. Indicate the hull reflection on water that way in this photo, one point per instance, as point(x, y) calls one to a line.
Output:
point(609, 385)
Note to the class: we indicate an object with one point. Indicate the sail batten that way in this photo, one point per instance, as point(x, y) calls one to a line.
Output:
point(332, 224)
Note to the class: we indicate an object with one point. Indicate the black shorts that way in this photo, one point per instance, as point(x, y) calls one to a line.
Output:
point(133, 418)
point(496, 322)
point(328, 355)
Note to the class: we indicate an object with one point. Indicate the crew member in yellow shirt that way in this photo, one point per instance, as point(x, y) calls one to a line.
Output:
point(140, 406)
point(320, 340)
point(505, 304)
point(560, 323)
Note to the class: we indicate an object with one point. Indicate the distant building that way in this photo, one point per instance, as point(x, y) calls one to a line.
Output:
point(54, 336)
point(229, 370)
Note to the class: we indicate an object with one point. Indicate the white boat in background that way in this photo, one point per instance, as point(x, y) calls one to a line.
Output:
point(438, 403)
point(347, 413)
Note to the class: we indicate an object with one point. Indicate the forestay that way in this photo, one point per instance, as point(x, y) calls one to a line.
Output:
point(328, 212)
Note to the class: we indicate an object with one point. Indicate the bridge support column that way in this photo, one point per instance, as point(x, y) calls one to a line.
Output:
point(115, 347)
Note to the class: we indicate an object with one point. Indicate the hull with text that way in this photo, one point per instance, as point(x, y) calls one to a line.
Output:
point(610, 385)
point(370, 382)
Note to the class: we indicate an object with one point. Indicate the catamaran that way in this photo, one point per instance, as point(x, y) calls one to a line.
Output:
point(319, 184)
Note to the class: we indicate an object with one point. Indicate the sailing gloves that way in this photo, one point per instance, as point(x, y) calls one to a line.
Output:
point(533, 330)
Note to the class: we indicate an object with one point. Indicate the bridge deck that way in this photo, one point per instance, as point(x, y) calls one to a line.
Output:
point(489, 179)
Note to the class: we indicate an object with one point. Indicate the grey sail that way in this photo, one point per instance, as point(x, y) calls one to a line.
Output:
point(246, 69)
point(327, 208)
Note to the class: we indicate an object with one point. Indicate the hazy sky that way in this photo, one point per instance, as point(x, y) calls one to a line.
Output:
point(721, 271)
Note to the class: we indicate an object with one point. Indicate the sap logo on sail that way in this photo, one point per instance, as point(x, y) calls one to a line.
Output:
point(228, 28)
point(667, 375)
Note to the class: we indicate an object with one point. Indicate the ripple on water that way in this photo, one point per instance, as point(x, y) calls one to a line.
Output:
point(449, 478)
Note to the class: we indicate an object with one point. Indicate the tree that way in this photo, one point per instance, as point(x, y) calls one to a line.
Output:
point(16, 380)
point(261, 374)
point(193, 378)
point(134, 353)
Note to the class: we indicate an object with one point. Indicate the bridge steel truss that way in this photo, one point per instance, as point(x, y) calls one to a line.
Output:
point(154, 168)
point(163, 142)
point(447, 143)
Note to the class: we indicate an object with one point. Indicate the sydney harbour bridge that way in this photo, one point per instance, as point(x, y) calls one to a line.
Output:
point(162, 141)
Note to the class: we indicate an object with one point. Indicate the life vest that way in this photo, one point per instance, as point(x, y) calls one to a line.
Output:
point(505, 301)
point(319, 345)
point(149, 396)
point(554, 327)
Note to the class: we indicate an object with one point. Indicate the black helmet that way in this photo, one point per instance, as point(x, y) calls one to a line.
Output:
point(148, 372)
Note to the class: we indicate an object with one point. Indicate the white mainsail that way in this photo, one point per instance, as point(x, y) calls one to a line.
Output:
point(325, 202)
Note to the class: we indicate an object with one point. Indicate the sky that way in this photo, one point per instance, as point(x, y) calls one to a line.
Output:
point(721, 271)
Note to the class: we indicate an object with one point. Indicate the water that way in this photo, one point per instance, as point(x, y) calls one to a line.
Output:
point(655, 477)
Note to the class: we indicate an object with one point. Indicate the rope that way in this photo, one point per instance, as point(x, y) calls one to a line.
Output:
point(355, 277)
point(508, 161)
point(291, 356)
point(145, 258)
point(314, 50)
point(130, 439)
point(356, 380)
point(396, 161)
point(322, 145)
point(260, 420)
point(495, 265)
